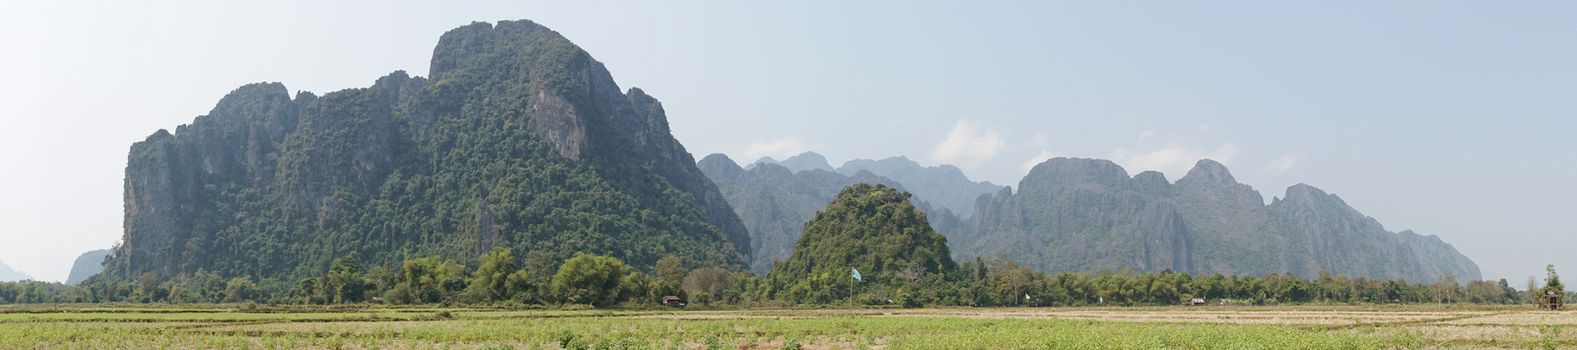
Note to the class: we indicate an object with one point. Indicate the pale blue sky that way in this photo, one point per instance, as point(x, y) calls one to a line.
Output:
point(1446, 117)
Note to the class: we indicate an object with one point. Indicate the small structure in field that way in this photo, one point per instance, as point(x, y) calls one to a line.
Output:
point(1550, 300)
point(673, 301)
point(1195, 302)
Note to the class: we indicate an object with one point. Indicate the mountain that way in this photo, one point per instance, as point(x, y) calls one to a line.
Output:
point(869, 227)
point(518, 138)
point(775, 202)
point(9, 275)
point(943, 186)
point(801, 162)
point(1089, 215)
point(88, 264)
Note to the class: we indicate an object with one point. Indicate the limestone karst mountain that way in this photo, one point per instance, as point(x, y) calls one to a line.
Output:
point(1090, 215)
point(518, 138)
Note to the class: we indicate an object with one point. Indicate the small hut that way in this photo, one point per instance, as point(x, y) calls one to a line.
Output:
point(1550, 300)
point(673, 301)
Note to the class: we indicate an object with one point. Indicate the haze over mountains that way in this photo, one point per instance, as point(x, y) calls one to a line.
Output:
point(1090, 215)
point(943, 186)
point(88, 264)
point(9, 275)
point(521, 139)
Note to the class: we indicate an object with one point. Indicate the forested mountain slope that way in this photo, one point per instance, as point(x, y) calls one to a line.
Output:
point(871, 228)
point(518, 138)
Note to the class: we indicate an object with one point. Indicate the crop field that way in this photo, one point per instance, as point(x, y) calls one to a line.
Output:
point(1293, 327)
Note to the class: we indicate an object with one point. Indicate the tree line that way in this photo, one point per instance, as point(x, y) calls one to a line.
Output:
point(499, 278)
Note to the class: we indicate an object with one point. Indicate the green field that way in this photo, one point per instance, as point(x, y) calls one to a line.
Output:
point(1295, 327)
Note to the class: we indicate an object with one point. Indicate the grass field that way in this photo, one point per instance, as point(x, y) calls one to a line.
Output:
point(1295, 327)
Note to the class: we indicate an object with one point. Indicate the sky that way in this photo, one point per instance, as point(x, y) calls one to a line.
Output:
point(1452, 118)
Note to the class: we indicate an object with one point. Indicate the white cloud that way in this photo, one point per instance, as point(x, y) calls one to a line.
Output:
point(777, 149)
point(1169, 154)
point(1037, 159)
point(965, 146)
point(1283, 164)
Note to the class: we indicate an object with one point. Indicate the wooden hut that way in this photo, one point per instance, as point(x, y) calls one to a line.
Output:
point(1550, 300)
point(673, 301)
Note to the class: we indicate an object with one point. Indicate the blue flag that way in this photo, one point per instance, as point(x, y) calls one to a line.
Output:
point(856, 274)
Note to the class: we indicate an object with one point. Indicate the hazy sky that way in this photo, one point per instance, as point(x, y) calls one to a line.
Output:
point(1452, 118)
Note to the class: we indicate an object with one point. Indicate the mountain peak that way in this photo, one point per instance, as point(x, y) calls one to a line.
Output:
point(1062, 171)
point(719, 166)
point(1302, 192)
point(1210, 171)
point(806, 161)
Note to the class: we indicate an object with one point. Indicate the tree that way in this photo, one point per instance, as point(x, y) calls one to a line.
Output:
point(589, 279)
point(345, 282)
point(704, 284)
point(428, 280)
point(240, 289)
point(492, 277)
point(1552, 281)
point(1445, 288)
point(670, 270)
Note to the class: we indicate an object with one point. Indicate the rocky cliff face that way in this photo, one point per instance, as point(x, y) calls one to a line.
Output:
point(519, 138)
point(1089, 215)
point(1082, 215)
point(1336, 237)
point(775, 202)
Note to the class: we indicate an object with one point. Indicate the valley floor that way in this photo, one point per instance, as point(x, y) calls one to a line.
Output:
point(1212, 327)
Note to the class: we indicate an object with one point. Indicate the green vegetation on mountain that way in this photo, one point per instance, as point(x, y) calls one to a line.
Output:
point(870, 228)
point(519, 139)
point(775, 202)
point(1089, 215)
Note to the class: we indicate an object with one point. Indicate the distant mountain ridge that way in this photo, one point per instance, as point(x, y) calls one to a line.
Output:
point(801, 162)
point(775, 202)
point(1089, 215)
point(941, 186)
point(88, 264)
point(7, 274)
